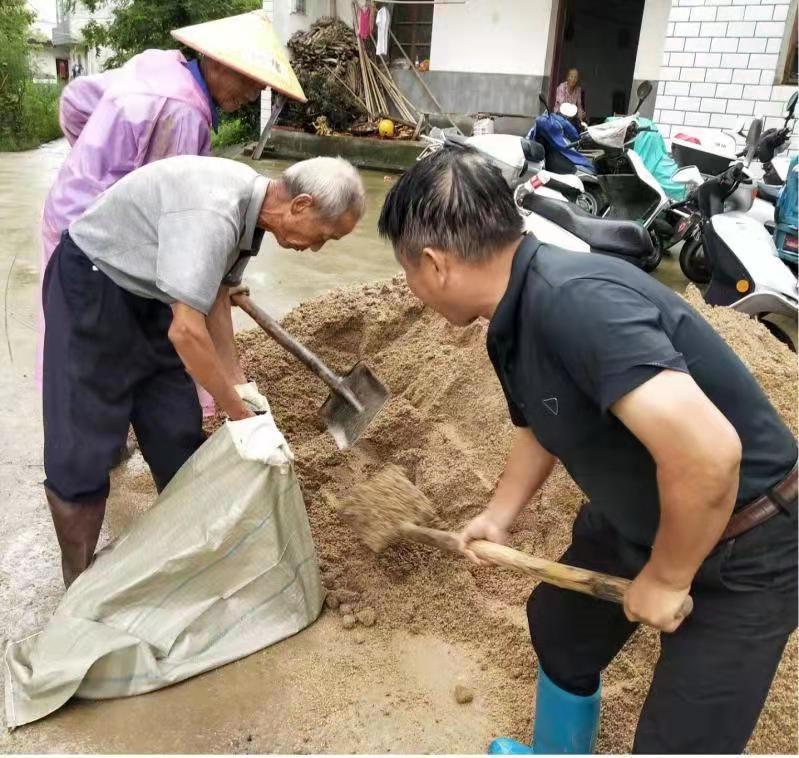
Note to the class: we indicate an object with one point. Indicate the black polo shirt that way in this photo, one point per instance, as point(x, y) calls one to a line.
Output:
point(574, 333)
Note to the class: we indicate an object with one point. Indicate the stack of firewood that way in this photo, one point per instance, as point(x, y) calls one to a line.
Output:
point(332, 50)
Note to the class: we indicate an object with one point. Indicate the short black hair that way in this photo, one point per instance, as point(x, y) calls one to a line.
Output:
point(454, 200)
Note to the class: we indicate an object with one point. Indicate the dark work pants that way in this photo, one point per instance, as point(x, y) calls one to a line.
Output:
point(714, 672)
point(108, 363)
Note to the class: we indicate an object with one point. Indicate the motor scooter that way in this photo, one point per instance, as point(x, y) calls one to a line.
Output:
point(571, 151)
point(517, 158)
point(568, 226)
point(744, 270)
point(543, 199)
point(712, 151)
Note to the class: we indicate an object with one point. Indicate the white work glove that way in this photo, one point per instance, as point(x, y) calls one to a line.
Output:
point(253, 399)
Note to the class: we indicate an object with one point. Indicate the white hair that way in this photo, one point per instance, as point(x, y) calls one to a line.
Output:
point(333, 183)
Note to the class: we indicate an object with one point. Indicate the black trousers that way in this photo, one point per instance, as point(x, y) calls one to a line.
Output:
point(108, 363)
point(714, 672)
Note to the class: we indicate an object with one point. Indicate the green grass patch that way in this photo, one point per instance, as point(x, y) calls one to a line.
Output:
point(31, 117)
point(232, 132)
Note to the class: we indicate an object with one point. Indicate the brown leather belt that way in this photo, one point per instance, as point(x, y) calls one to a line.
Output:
point(781, 497)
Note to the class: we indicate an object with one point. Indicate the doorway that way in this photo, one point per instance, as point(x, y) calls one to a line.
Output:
point(600, 40)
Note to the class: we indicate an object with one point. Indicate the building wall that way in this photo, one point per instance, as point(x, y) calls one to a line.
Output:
point(486, 56)
point(651, 43)
point(44, 62)
point(286, 21)
point(593, 48)
point(719, 64)
point(485, 36)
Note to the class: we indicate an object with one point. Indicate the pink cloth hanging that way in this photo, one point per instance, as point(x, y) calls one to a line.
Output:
point(365, 22)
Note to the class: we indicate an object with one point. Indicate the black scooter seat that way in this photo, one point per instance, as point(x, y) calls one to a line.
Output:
point(625, 238)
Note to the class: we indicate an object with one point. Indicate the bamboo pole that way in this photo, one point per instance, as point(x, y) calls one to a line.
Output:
point(378, 90)
point(411, 111)
point(396, 95)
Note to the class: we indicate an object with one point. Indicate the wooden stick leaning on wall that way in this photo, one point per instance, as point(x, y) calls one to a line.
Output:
point(421, 80)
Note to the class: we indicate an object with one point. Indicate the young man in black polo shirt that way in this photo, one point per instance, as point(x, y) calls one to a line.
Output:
point(689, 470)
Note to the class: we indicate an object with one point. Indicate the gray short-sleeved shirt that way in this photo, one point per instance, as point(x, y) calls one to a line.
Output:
point(174, 229)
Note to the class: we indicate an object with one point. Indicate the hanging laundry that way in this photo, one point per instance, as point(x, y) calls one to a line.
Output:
point(365, 21)
point(383, 24)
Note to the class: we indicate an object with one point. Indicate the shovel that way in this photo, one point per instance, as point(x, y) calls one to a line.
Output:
point(388, 508)
point(356, 398)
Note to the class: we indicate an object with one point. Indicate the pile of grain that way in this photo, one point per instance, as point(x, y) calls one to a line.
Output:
point(446, 426)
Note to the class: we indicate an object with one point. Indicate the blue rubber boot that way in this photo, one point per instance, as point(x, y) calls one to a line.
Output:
point(564, 723)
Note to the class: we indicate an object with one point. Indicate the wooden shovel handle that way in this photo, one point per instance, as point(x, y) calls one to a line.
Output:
point(592, 583)
point(240, 297)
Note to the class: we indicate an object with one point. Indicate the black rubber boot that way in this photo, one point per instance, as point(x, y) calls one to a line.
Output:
point(77, 527)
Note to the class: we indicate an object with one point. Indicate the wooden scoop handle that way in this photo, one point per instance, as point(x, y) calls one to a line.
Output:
point(273, 328)
point(592, 583)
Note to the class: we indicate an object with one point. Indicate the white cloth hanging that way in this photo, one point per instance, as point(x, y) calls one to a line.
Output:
point(383, 24)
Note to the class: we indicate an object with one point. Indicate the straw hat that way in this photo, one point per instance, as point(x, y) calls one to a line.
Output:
point(247, 44)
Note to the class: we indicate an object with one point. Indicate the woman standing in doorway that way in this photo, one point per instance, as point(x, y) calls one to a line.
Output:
point(570, 91)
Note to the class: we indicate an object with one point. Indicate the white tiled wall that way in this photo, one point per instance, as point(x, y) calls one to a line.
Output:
point(719, 63)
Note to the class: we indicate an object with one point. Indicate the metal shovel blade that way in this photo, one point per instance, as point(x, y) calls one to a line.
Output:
point(344, 422)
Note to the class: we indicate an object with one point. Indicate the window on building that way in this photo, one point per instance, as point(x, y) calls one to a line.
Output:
point(787, 65)
point(298, 6)
point(412, 24)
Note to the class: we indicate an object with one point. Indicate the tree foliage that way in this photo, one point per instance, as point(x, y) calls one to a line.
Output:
point(138, 25)
point(28, 111)
point(15, 64)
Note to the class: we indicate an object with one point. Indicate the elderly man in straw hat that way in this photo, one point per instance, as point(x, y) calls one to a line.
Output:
point(157, 105)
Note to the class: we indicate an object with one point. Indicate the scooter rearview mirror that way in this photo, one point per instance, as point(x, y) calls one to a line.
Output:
point(752, 138)
point(791, 107)
point(543, 102)
point(644, 91)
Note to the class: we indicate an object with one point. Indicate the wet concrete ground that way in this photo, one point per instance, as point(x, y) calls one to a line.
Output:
point(271, 701)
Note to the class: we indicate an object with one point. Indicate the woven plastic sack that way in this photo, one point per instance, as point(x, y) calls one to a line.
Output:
point(222, 565)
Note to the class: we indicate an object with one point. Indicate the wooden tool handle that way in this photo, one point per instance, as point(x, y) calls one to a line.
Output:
point(592, 583)
point(297, 349)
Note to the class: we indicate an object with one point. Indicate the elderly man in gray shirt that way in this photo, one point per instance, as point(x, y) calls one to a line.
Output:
point(136, 304)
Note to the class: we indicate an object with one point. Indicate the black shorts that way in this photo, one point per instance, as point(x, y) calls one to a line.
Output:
point(108, 362)
point(714, 672)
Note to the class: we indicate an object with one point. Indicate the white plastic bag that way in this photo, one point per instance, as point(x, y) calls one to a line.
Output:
point(611, 133)
point(222, 565)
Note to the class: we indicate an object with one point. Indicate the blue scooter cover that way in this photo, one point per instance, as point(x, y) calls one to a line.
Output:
point(558, 132)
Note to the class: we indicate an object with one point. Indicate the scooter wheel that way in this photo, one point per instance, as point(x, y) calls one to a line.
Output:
point(779, 333)
point(592, 201)
point(657, 256)
point(693, 262)
point(585, 201)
